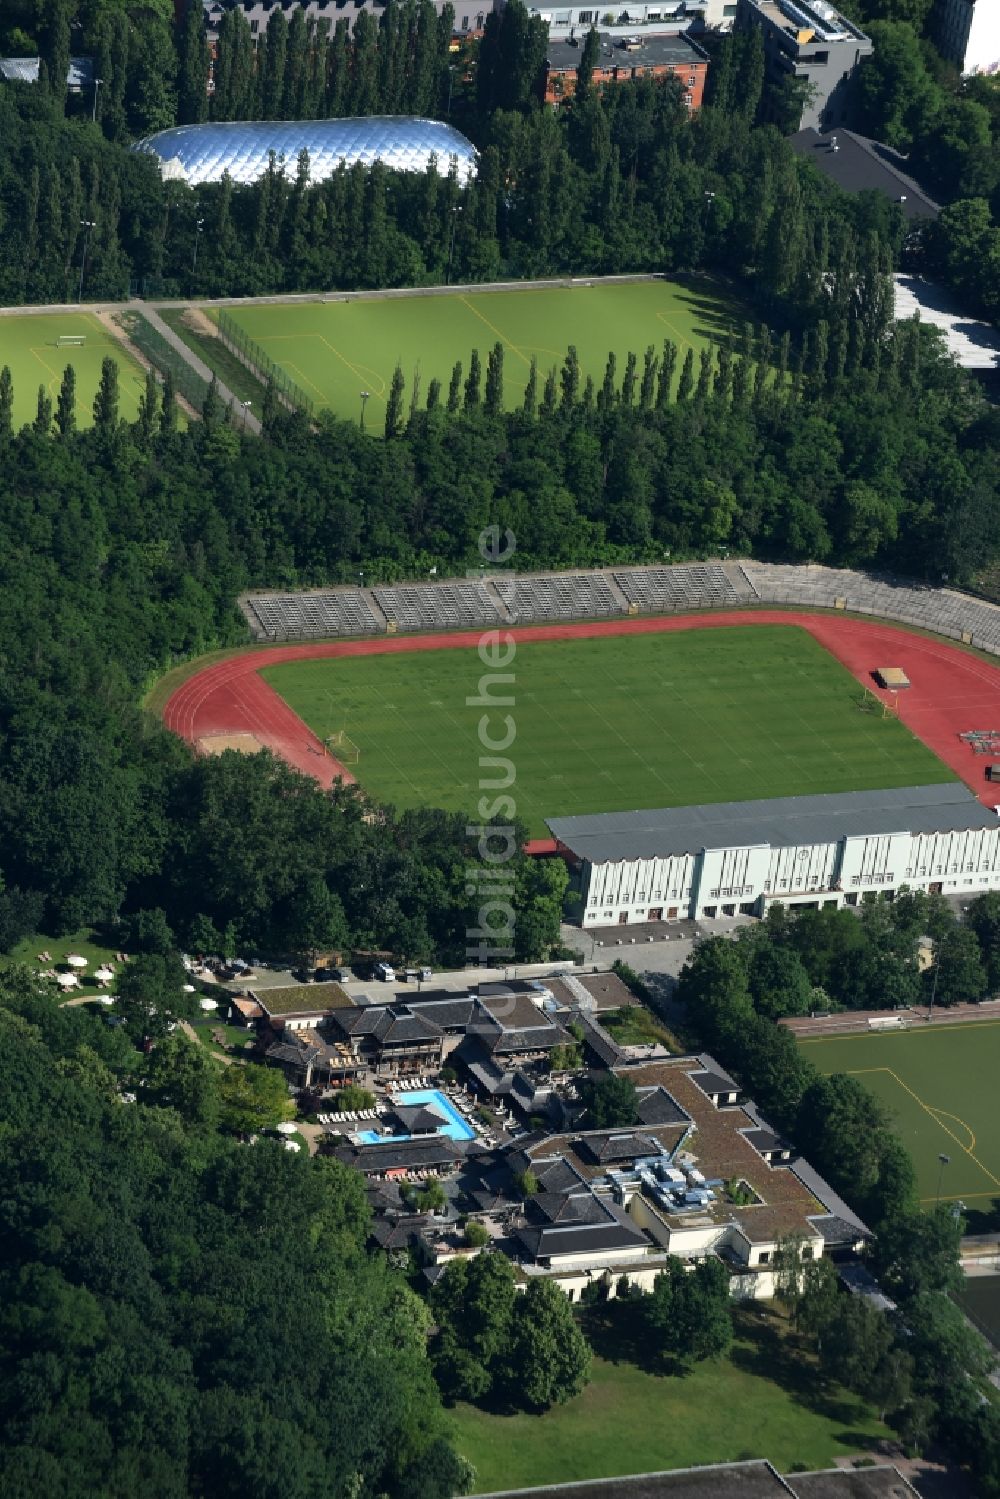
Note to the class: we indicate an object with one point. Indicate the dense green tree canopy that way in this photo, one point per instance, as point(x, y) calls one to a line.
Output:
point(609, 1101)
point(148, 1275)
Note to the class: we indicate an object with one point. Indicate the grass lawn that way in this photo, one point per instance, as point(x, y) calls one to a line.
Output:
point(335, 350)
point(614, 723)
point(28, 345)
point(236, 1036)
point(941, 1084)
point(83, 942)
point(634, 1026)
point(763, 1401)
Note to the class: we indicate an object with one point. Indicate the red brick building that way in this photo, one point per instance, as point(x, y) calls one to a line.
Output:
point(623, 58)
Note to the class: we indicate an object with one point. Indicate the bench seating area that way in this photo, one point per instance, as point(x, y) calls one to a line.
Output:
point(561, 596)
point(593, 595)
point(954, 615)
point(311, 616)
point(697, 585)
point(436, 606)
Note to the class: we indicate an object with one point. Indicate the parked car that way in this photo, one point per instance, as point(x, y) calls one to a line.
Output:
point(385, 973)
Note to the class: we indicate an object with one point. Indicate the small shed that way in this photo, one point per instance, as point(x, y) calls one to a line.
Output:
point(892, 678)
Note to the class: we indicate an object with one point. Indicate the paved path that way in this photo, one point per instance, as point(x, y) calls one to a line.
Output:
point(148, 311)
point(195, 361)
point(193, 1035)
point(311, 1133)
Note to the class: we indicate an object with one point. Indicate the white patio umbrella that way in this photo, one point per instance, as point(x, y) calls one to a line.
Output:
point(67, 980)
point(292, 1145)
point(104, 974)
point(189, 989)
point(105, 999)
point(75, 961)
point(286, 1127)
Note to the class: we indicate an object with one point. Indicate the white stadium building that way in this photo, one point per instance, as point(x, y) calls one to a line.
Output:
point(731, 858)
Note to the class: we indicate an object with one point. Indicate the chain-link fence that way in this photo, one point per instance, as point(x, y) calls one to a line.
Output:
point(260, 362)
point(163, 357)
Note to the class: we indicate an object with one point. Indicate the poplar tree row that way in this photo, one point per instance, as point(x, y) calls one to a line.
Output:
point(396, 64)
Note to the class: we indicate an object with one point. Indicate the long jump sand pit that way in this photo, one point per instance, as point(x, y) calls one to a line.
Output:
point(217, 744)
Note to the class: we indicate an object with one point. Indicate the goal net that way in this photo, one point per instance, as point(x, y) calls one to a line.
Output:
point(343, 748)
point(867, 702)
point(71, 340)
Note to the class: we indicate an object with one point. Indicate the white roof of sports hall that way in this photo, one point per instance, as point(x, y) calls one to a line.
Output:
point(243, 148)
point(609, 837)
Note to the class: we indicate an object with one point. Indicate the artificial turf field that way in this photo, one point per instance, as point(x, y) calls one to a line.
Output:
point(28, 346)
point(335, 350)
point(941, 1084)
point(611, 723)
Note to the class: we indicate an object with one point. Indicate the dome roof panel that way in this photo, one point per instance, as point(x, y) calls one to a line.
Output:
point(405, 143)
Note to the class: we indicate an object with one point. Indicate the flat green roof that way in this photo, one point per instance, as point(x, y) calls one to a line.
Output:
point(290, 999)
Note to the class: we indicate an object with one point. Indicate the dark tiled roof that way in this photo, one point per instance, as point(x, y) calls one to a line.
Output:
point(765, 1140)
point(397, 1233)
point(448, 1015)
point(834, 1230)
point(513, 1011)
point(656, 1106)
point(417, 1118)
point(556, 1176)
point(584, 1238)
point(388, 1024)
point(565, 1207)
point(607, 1148)
point(294, 1053)
point(404, 1155)
point(503, 988)
point(714, 1083)
point(863, 165)
point(405, 1027)
point(604, 1046)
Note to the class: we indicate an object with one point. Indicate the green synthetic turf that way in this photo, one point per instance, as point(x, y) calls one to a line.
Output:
point(940, 1083)
point(335, 350)
point(606, 724)
point(28, 345)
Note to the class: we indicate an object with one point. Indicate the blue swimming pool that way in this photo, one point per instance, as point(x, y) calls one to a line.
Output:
point(456, 1127)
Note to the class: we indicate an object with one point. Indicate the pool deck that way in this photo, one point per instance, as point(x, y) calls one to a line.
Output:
point(456, 1128)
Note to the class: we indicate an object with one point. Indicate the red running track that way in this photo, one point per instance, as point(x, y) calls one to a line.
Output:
point(951, 690)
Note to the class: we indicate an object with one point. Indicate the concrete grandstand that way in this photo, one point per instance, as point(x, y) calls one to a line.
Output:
point(341, 612)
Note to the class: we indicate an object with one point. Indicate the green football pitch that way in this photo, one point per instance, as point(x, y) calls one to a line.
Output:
point(28, 344)
point(940, 1083)
point(614, 722)
point(335, 350)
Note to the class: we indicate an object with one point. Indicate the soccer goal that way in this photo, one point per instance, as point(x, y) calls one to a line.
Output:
point(867, 702)
point(343, 748)
point(71, 340)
